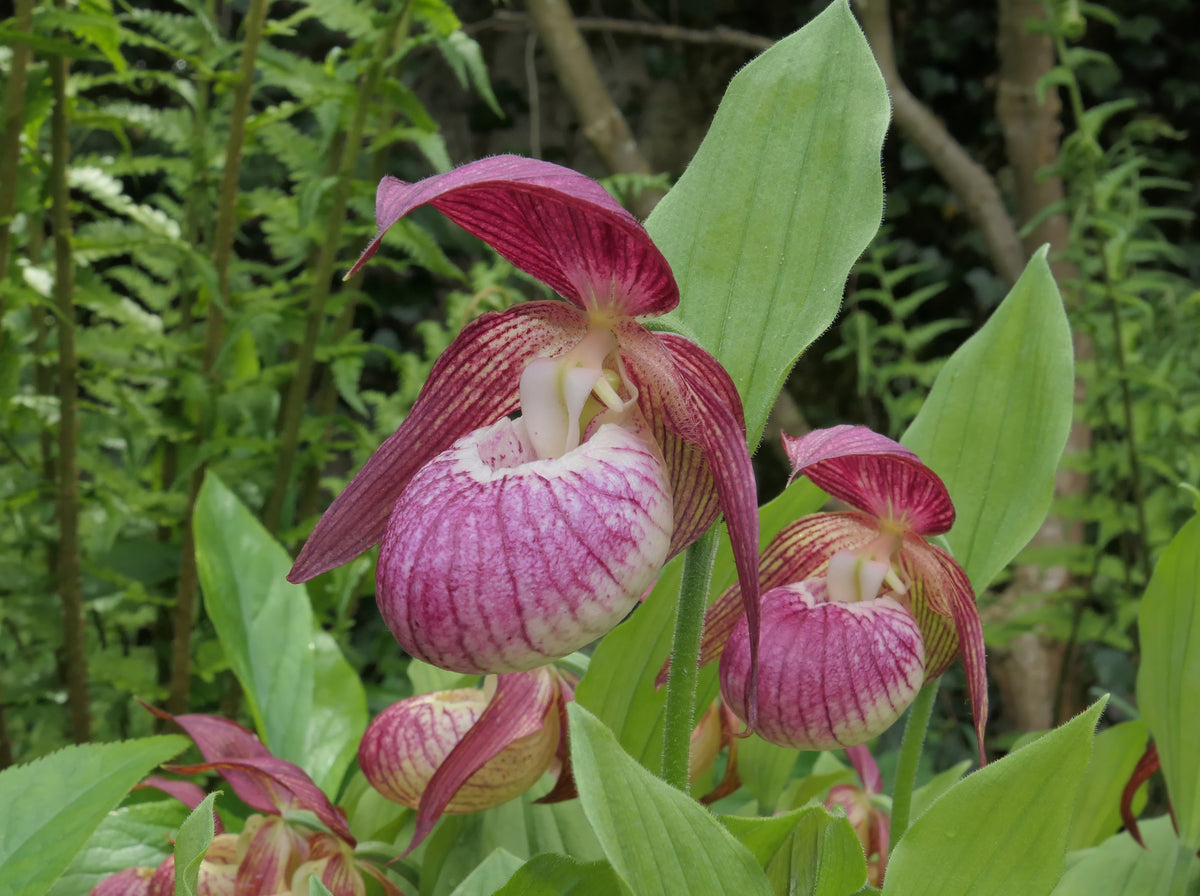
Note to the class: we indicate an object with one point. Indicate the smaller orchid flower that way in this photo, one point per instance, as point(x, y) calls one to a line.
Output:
point(870, 821)
point(507, 543)
point(858, 610)
point(468, 749)
point(272, 856)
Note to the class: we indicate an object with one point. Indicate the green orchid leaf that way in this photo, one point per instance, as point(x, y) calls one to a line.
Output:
point(195, 835)
point(782, 197)
point(937, 785)
point(263, 621)
point(316, 888)
point(128, 837)
point(995, 423)
point(1114, 756)
point(806, 851)
point(489, 875)
point(1119, 867)
point(765, 770)
point(658, 840)
point(52, 805)
point(553, 875)
point(1169, 677)
point(821, 857)
point(1003, 829)
point(338, 717)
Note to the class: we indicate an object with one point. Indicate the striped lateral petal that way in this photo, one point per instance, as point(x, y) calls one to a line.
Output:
point(831, 674)
point(941, 591)
point(551, 222)
point(474, 383)
point(461, 751)
point(874, 474)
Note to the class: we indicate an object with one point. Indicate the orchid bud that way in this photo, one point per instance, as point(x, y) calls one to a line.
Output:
point(409, 741)
point(831, 673)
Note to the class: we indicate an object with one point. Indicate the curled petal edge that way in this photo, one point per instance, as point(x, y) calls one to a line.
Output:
point(472, 384)
point(871, 472)
point(555, 224)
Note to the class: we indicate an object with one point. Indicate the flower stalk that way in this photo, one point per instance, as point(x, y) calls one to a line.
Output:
point(910, 756)
point(680, 710)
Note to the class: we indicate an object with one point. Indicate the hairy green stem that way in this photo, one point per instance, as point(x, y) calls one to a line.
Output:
point(222, 247)
point(70, 583)
point(292, 412)
point(910, 756)
point(680, 711)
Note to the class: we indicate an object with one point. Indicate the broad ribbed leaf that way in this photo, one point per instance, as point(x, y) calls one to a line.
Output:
point(995, 423)
point(781, 198)
point(338, 717)
point(1002, 830)
point(658, 839)
point(553, 875)
point(1169, 678)
point(129, 837)
point(52, 805)
point(1119, 867)
point(489, 875)
point(821, 857)
point(195, 835)
point(264, 623)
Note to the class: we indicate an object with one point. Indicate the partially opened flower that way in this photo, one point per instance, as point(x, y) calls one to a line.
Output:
point(468, 749)
point(859, 610)
point(507, 543)
point(870, 820)
point(273, 854)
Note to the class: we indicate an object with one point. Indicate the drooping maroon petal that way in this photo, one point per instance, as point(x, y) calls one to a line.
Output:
point(940, 589)
point(275, 786)
point(523, 706)
point(871, 472)
point(831, 674)
point(868, 770)
point(1145, 768)
point(801, 550)
point(497, 561)
point(474, 383)
point(553, 223)
point(191, 795)
point(700, 403)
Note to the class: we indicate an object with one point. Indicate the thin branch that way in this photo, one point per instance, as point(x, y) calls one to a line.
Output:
point(505, 19)
point(70, 584)
point(603, 124)
point(14, 124)
point(185, 602)
point(969, 180)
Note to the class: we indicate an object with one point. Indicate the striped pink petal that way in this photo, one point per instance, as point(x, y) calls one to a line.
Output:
point(273, 854)
point(474, 383)
point(497, 561)
point(275, 786)
point(461, 751)
point(871, 472)
point(831, 674)
point(943, 602)
point(551, 222)
point(130, 882)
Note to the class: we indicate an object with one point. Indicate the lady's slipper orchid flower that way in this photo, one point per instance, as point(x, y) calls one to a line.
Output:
point(507, 543)
point(859, 610)
point(467, 750)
